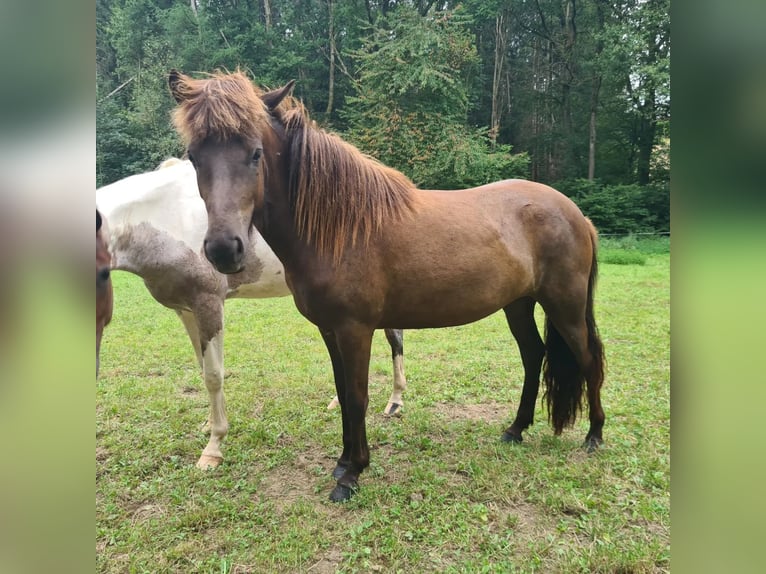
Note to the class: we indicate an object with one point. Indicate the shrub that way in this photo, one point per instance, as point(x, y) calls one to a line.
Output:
point(621, 209)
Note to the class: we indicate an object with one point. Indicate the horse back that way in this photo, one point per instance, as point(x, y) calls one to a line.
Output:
point(485, 246)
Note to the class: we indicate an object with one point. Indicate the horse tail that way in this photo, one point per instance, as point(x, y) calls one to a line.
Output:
point(563, 376)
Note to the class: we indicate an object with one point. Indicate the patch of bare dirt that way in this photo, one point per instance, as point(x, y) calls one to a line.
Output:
point(145, 512)
point(487, 412)
point(290, 482)
point(328, 564)
point(189, 391)
point(102, 453)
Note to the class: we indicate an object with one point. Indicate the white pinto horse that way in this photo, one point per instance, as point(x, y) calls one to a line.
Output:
point(157, 222)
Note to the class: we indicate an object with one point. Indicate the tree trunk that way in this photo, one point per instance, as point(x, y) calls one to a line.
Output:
point(497, 77)
point(592, 135)
point(595, 92)
point(267, 14)
point(331, 90)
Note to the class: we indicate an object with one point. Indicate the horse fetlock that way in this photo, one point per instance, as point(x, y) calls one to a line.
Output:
point(592, 443)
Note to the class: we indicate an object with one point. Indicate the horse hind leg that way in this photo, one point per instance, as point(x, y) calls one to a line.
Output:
point(574, 355)
point(396, 403)
point(190, 324)
point(521, 320)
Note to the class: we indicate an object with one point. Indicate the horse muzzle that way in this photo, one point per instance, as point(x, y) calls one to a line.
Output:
point(227, 254)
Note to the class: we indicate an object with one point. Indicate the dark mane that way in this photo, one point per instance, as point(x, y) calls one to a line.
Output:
point(337, 193)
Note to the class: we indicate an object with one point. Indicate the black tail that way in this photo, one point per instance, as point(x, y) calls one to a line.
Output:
point(563, 377)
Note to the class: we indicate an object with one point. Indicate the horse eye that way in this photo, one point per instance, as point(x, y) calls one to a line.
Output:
point(257, 154)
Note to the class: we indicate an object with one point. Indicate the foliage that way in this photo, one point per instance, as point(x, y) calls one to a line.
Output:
point(412, 103)
point(621, 209)
point(418, 84)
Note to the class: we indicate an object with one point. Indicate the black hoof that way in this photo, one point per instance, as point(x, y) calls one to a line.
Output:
point(342, 493)
point(510, 437)
point(339, 471)
point(592, 444)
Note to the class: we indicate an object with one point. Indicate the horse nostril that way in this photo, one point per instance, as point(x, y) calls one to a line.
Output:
point(240, 246)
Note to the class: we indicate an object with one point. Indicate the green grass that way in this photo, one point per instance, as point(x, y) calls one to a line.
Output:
point(442, 494)
point(630, 250)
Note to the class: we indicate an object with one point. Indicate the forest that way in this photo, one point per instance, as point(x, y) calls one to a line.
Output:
point(571, 93)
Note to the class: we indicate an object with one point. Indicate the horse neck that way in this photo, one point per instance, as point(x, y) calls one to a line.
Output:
point(274, 219)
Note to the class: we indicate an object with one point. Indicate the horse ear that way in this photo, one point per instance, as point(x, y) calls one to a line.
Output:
point(98, 220)
point(174, 82)
point(273, 98)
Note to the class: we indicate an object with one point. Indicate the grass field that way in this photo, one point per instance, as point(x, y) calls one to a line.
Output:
point(442, 493)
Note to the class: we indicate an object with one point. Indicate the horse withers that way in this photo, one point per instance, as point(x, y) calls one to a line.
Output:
point(104, 297)
point(363, 248)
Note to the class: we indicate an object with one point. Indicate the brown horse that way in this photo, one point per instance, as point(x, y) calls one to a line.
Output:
point(104, 301)
point(364, 249)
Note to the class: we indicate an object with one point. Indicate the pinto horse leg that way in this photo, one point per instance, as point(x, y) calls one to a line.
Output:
point(210, 324)
point(190, 324)
point(521, 320)
point(395, 403)
point(354, 344)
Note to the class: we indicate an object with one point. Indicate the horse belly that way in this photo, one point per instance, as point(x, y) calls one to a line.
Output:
point(446, 302)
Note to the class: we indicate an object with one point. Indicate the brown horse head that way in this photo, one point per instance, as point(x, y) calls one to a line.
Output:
point(252, 149)
point(104, 301)
point(226, 123)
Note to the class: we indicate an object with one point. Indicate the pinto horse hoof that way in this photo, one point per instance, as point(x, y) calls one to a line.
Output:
point(592, 444)
point(510, 437)
point(207, 462)
point(393, 410)
point(341, 493)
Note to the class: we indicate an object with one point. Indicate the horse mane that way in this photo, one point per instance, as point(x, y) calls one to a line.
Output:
point(337, 193)
point(220, 106)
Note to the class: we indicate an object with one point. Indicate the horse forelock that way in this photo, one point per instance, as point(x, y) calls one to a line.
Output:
point(221, 106)
point(338, 194)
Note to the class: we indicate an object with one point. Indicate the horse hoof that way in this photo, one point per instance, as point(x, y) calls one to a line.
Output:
point(341, 493)
point(592, 444)
point(339, 471)
point(333, 403)
point(393, 410)
point(207, 462)
point(510, 437)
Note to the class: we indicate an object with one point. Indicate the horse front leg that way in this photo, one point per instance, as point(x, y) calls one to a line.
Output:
point(354, 345)
point(340, 389)
point(395, 403)
point(210, 326)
